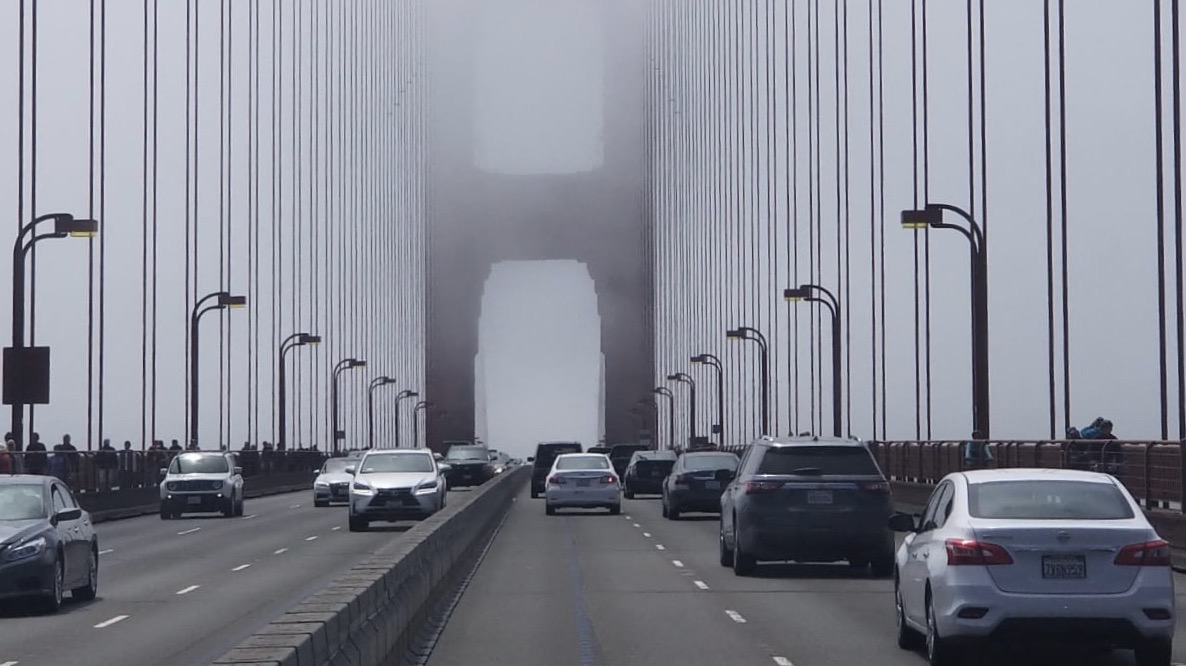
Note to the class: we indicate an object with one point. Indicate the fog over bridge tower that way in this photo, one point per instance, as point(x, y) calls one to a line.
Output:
point(538, 153)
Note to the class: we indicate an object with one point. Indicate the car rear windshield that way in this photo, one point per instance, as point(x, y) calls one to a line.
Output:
point(191, 464)
point(651, 465)
point(23, 501)
point(818, 460)
point(395, 463)
point(1048, 500)
point(702, 463)
point(468, 453)
point(546, 453)
point(582, 462)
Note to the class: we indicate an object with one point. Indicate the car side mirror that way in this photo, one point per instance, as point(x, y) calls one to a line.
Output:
point(903, 522)
point(351, 471)
point(444, 467)
point(238, 470)
point(67, 514)
point(164, 472)
point(530, 458)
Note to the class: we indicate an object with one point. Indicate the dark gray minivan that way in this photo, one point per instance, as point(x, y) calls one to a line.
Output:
point(807, 499)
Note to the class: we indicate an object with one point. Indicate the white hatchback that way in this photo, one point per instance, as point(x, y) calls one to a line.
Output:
point(1033, 554)
point(583, 480)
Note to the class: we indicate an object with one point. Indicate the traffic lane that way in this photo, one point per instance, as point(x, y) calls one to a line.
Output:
point(200, 592)
point(826, 613)
point(581, 587)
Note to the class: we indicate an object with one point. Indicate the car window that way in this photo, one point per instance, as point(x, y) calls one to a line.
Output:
point(188, 463)
point(396, 463)
point(546, 454)
point(825, 460)
point(582, 462)
point(941, 509)
point(468, 453)
point(750, 458)
point(58, 502)
point(701, 463)
point(67, 496)
point(22, 501)
point(928, 513)
point(1048, 500)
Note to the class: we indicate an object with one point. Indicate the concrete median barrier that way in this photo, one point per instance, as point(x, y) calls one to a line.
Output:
point(373, 614)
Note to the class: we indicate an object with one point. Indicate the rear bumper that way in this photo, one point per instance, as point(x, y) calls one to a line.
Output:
point(694, 500)
point(644, 486)
point(771, 542)
point(607, 496)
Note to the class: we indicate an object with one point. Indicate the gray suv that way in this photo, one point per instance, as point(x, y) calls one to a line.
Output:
point(807, 500)
point(202, 481)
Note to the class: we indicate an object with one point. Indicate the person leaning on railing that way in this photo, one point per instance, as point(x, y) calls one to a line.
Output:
point(977, 454)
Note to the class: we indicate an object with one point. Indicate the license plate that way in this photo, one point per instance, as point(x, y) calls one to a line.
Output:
point(583, 482)
point(1064, 567)
point(819, 497)
point(656, 474)
point(194, 500)
point(712, 485)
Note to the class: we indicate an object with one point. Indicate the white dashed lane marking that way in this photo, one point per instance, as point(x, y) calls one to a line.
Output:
point(637, 525)
point(107, 623)
point(295, 506)
point(312, 538)
point(335, 529)
point(241, 567)
point(629, 518)
point(101, 552)
point(188, 531)
point(735, 616)
point(700, 584)
point(678, 563)
point(659, 546)
point(281, 551)
point(187, 590)
point(249, 517)
point(783, 661)
point(646, 534)
point(10, 663)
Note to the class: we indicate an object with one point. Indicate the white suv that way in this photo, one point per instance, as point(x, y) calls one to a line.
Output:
point(202, 481)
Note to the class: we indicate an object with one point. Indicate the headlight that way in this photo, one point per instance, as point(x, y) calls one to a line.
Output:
point(362, 489)
point(217, 485)
point(25, 550)
point(321, 484)
point(426, 488)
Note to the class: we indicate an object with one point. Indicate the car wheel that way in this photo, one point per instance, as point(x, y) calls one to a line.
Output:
point(229, 509)
point(358, 524)
point(664, 508)
point(628, 493)
point(726, 553)
point(1155, 652)
point(743, 563)
point(615, 509)
point(673, 512)
point(908, 639)
point(239, 507)
point(166, 514)
point(534, 494)
point(883, 566)
point(53, 602)
point(939, 650)
point(320, 504)
point(89, 591)
point(549, 510)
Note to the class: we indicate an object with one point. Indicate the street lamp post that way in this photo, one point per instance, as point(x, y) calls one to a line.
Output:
point(292, 341)
point(221, 301)
point(753, 334)
point(709, 359)
point(666, 393)
point(65, 225)
point(407, 393)
point(684, 378)
point(931, 217)
point(375, 383)
point(344, 364)
point(422, 405)
point(804, 292)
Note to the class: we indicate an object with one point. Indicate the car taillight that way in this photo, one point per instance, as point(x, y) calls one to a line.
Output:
point(683, 479)
point(557, 480)
point(612, 480)
point(756, 487)
point(875, 487)
point(970, 551)
point(1147, 554)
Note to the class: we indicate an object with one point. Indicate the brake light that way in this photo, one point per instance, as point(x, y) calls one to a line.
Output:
point(1147, 554)
point(683, 479)
point(875, 487)
point(557, 480)
point(758, 487)
point(611, 479)
point(970, 551)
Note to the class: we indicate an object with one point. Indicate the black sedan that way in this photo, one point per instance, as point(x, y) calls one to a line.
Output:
point(47, 542)
point(469, 465)
point(696, 482)
point(645, 472)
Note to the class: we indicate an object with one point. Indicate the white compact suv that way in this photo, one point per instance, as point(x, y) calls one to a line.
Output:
point(202, 481)
point(396, 484)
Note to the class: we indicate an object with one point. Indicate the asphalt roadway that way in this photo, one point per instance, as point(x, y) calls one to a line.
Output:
point(186, 591)
point(592, 589)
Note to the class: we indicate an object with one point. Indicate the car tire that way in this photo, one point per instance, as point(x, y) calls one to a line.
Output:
point(320, 504)
point(549, 510)
point(908, 639)
point(229, 510)
point(743, 563)
point(673, 512)
point(663, 508)
point(358, 524)
point(627, 493)
point(725, 552)
point(239, 509)
point(534, 494)
point(615, 509)
point(89, 591)
point(166, 514)
point(53, 601)
point(1155, 652)
point(939, 650)
point(882, 566)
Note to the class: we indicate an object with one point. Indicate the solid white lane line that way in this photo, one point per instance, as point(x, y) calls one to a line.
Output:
point(101, 552)
point(107, 623)
point(241, 567)
point(735, 616)
point(336, 528)
point(700, 584)
point(659, 546)
point(311, 538)
point(281, 551)
point(249, 516)
point(187, 590)
point(188, 531)
point(783, 661)
point(646, 534)
point(678, 563)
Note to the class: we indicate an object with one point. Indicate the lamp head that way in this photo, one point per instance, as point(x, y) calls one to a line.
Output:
point(735, 334)
point(226, 300)
point(355, 363)
point(922, 219)
point(698, 359)
point(795, 294)
point(67, 224)
point(674, 377)
point(307, 339)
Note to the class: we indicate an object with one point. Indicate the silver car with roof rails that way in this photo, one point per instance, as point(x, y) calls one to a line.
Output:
point(202, 481)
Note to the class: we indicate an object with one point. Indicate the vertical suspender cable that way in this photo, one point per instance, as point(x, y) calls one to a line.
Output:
point(152, 427)
point(881, 200)
point(791, 83)
point(1176, 77)
point(1062, 162)
point(1050, 344)
point(926, 196)
point(914, 125)
point(1159, 187)
point(144, 288)
point(90, 317)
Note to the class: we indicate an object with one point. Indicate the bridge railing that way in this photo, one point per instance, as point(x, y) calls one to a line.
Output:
point(1151, 470)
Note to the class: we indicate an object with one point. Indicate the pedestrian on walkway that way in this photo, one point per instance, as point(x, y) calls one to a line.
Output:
point(35, 458)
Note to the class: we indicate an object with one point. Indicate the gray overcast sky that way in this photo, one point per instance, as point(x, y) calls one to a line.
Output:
point(550, 49)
